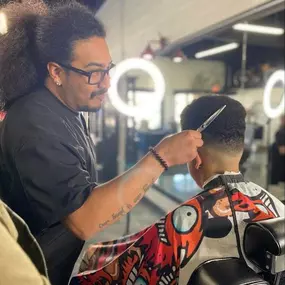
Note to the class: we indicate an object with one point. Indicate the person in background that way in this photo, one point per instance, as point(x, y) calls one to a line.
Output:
point(211, 225)
point(54, 64)
point(277, 155)
point(280, 137)
point(21, 259)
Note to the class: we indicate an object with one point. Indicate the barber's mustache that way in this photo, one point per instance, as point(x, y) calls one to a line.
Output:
point(98, 92)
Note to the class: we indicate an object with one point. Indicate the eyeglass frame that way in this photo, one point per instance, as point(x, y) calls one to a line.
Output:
point(89, 73)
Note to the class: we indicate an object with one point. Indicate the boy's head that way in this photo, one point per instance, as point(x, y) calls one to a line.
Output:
point(223, 138)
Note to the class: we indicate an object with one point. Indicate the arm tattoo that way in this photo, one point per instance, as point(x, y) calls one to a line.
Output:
point(147, 186)
point(103, 225)
point(114, 216)
point(118, 214)
point(138, 198)
point(121, 212)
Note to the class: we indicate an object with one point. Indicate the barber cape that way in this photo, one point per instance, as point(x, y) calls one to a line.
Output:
point(210, 225)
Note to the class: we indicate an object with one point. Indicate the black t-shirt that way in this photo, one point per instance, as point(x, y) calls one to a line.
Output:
point(280, 137)
point(49, 169)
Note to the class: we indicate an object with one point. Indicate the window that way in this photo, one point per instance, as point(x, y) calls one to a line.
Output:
point(181, 100)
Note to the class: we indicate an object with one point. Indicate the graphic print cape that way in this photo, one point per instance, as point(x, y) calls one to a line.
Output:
point(167, 252)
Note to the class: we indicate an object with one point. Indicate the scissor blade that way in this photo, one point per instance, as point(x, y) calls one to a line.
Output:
point(210, 119)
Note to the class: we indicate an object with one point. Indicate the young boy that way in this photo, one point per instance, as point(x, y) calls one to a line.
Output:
point(210, 225)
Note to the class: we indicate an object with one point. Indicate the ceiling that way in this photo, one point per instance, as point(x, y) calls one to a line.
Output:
point(260, 49)
point(92, 4)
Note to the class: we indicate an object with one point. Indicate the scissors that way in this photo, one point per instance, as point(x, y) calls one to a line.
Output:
point(210, 120)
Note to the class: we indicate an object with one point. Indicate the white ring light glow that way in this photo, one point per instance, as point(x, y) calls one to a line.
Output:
point(142, 111)
point(269, 111)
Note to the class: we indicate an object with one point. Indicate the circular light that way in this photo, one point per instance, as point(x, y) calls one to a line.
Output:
point(269, 111)
point(3, 24)
point(145, 110)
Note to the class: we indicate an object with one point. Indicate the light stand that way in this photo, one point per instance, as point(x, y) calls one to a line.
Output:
point(268, 166)
point(125, 110)
point(131, 86)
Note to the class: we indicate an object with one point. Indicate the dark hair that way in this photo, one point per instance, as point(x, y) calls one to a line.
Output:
point(38, 35)
point(226, 131)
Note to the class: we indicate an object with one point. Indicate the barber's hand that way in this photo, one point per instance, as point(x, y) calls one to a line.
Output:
point(281, 149)
point(180, 148)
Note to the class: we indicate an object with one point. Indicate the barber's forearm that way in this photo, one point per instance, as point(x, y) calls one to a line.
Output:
point(111, 201)
point(281, 149)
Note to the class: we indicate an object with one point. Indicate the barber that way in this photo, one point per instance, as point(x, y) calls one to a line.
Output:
point(56, 65)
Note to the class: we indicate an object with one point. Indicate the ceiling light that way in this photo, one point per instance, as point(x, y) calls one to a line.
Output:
point(3, 24)
point(178, 56)
point(2, 115)
point(258, 29)
point(148, 53)
point(217, 50)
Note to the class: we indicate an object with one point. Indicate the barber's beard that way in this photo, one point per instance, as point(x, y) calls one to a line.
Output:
point(88, 109)
point(98, 92)
point(91, 97)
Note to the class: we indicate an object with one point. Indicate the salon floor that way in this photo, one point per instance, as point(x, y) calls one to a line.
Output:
point(179, 184)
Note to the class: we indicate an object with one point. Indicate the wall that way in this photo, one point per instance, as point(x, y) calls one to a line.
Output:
point(187, 75)
point(253, 99)
point(190, 74)
point(182, 76)
point(143, 20)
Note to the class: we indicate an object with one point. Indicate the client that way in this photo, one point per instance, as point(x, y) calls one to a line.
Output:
point(210, 225)
point(21, 259)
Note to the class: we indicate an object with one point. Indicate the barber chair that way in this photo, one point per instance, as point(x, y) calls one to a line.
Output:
point(264, 246)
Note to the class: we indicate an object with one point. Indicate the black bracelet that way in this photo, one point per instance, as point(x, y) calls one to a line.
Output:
point(159, 158)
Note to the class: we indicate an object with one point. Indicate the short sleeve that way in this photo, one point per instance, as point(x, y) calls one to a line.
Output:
point(54, 177)
point(280, 138)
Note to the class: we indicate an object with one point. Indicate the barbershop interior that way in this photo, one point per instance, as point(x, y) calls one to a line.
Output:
point(239, 68)
point(167, 55)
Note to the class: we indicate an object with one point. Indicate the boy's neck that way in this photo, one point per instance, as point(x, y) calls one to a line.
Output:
point(209, 173)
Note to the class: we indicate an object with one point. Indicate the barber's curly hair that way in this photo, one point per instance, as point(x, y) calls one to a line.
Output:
point(227, 131)
point(37, 35)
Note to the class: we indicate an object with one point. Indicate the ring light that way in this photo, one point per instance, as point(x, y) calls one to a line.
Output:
point(269, 111)
point(3, 24)
point(142, 111)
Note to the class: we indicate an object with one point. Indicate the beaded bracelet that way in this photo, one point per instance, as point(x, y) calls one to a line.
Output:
point(159, 158)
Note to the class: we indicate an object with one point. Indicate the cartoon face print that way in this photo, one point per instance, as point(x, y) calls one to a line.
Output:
point(131, 266)
point(141, 281)
point(260, 198)
point(254, 206)
point(160, 262)
point(158, 254)
point(222, 207)
point(184, 219)
point(168, 276)
point(267, 205)
point(185, 227)
point(183, 230)
point(217, 203)
point(217, 223)
point(101, 254)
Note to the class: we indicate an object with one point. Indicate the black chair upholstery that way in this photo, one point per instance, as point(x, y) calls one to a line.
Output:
point(228, 271)
point(264, 244)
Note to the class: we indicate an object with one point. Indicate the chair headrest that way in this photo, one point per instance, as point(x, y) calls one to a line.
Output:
point(268, 235)
point(224, 272)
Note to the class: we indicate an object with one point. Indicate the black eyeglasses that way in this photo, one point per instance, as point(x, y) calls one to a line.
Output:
point(95, 77)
